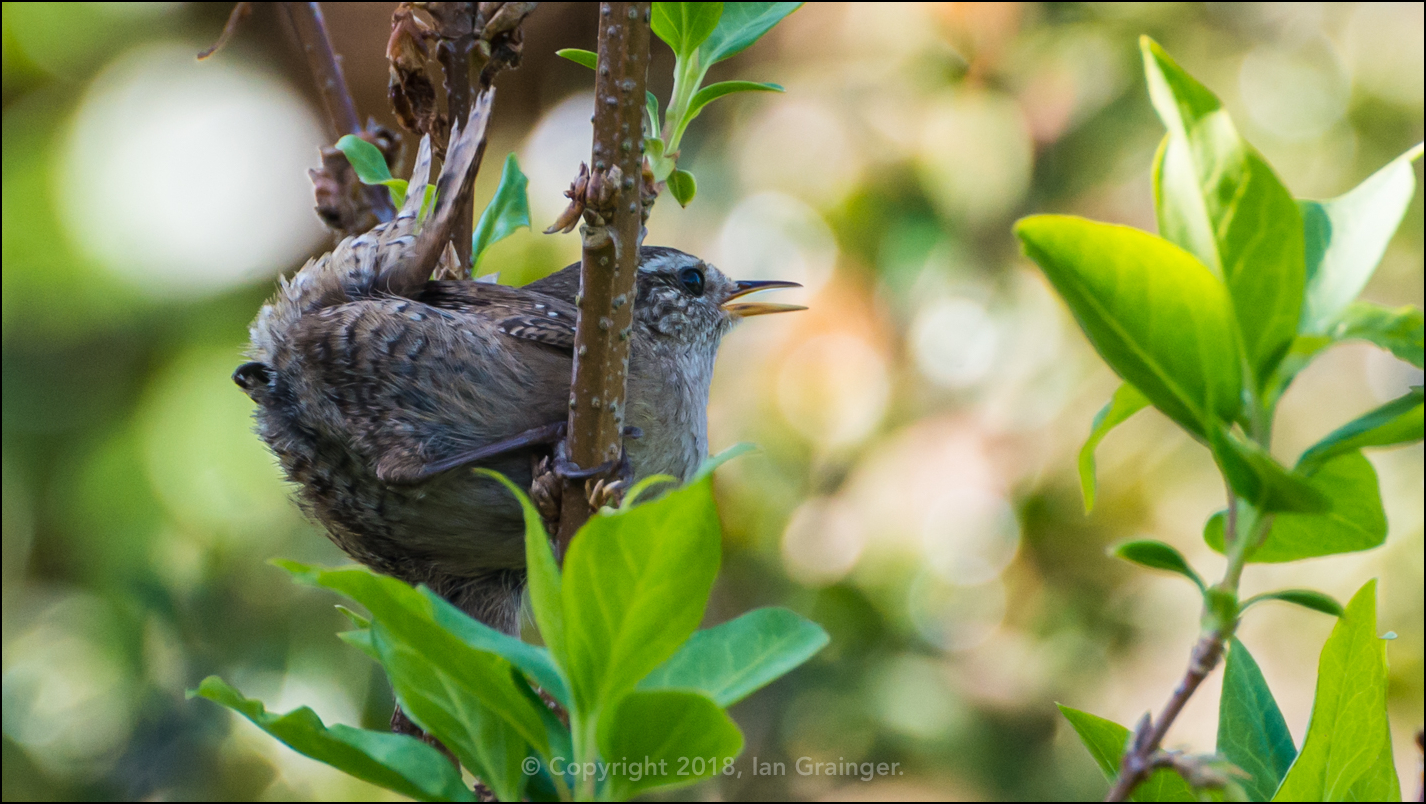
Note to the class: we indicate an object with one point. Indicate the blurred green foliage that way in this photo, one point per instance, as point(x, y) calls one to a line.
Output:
point(916, 494)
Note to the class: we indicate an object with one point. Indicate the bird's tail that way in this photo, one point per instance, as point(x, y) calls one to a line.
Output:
point(394, 258)
point(407, 274)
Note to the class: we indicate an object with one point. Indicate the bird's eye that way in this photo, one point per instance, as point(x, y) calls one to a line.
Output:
point(692, 280)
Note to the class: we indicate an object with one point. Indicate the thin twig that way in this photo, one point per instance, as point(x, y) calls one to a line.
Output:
point(239, 13)
point(1139, 759)
point(326, 69)
point(612, 211)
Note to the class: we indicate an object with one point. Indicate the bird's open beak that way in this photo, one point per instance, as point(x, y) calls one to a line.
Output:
point(745, 309)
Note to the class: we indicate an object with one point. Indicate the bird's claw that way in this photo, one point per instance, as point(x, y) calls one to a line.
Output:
point(609, 490)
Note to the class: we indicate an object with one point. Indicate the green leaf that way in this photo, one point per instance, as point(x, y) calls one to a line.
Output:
point(685, 26)
point(1346, 755)
point(541, 571)
point(370, 166)
point(1156, 315)
point(361, 640)
point(532, 660)
point(1125, 403)
point(1306, 598)
point(668, 738)
point(1106, 741)
point(394, 761)
point(358, 620)
point(1251, 731)
point(635, 586)
point(1217, 197)
point(409, 616)
point(741, 25)
point(506, 212)
point(365, 159)
point(1396, 422)
point(1157, 555)
point(732, 661)
point(1347, 236)
point(683, 186)
point(1356, 520)
point(651, 116)
point(663, 166)
point(714, 461)
point(587, 58)
point(713, 92)
point(440, 699)
point(1398, 331)
point(1260, 480)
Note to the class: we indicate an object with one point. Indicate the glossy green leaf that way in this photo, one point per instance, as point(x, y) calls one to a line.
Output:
point(365, 159)
point(1251, 731)
point(1397, 330)
point(1259, 479)
point(685, 26)
point(1355, 521)
point(1106, 742)
point(358, 620)
point(662, 166)
point(683, 186)
point(1217, 197)
point(1347, 753)
point(586, 58)
point(438, 698)
point(713, 92)
point(1156, 315)
point(671, 738)
point(1306, 598)
point(1156, 554)
point(370, 166)
point(635, 586)
point(408, 616)
point(732, 661)
point(651, 115)
point(532, 660)
point(361, 640)
point(507, 211)
point(741, 25)
point(1125, 403)
point(1396, 422)
point(542, 574)
point(1347, 236)
point(394, 761)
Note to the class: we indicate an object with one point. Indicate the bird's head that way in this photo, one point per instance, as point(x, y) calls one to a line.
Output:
point(682, 297)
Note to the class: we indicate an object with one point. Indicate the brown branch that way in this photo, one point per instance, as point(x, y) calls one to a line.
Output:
point(239, 13)
point(1142, 757)
point(326, 69)
point(613, 221)
point(1143, 754)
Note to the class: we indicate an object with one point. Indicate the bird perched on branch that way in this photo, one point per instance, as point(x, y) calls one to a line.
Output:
point(378, 389)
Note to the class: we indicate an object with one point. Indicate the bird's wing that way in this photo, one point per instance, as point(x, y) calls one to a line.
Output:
point(417, 389)
point(516, 312)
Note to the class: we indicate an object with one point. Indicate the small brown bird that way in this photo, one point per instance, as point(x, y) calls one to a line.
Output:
point(378, 389)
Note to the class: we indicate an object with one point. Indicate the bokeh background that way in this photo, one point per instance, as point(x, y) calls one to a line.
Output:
point(915, 492)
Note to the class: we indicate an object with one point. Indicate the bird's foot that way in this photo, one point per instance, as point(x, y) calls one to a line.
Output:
point(604, 485)
point(609, 489)
point(546, 490)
